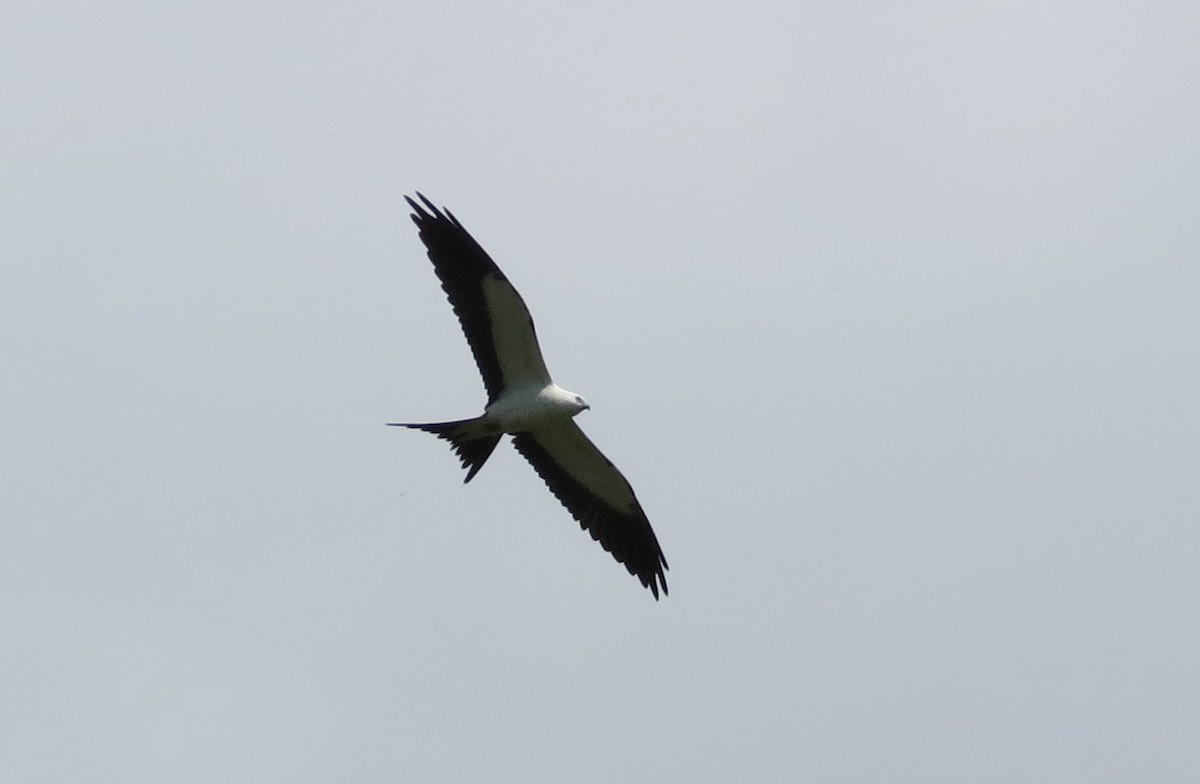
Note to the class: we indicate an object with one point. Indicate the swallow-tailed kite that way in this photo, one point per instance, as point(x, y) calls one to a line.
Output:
point(525, 403)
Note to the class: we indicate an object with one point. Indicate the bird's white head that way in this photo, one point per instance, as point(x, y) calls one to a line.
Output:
point(566, 400)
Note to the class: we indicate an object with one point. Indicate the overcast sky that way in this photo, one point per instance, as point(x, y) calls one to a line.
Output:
point(888, 311)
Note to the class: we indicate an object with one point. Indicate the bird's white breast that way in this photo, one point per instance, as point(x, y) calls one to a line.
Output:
point(523, 409)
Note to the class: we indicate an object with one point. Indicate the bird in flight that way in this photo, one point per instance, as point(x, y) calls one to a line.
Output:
point(525, 403)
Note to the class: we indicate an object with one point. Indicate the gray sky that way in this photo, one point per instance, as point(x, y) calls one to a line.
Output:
point(888, 311)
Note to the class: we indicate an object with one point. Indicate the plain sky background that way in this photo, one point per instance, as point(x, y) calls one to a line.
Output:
point(887, 310)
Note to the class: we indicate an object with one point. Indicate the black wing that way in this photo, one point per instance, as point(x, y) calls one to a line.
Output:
point(598, 496)
point(493, 315)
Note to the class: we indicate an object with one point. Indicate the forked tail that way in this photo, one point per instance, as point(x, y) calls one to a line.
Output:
point(471, 441)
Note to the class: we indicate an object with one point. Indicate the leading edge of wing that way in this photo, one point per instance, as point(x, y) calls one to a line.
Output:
point(598, 496)
point(493, 316)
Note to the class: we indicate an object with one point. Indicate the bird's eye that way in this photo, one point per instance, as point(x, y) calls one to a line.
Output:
point(579, 400)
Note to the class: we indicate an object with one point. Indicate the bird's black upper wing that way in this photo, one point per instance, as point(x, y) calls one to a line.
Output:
point(494, 318)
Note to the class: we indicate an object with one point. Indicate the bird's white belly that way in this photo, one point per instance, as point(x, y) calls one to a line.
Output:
point(521, 410)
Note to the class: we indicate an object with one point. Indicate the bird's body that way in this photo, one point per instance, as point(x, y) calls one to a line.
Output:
point(527, 408)
point(524, 402)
